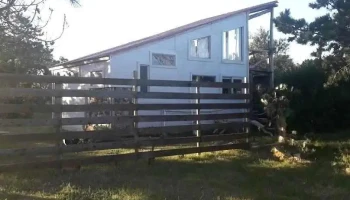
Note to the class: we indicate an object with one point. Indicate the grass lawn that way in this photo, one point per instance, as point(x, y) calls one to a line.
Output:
point(233, 174)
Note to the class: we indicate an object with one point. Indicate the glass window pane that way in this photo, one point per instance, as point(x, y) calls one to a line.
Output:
point(96, 74)
point(235, 90)
point(200, 48)
point(232, 44)
point(163, 59)
point(237, 80)
point(226, 90)
point(226, 80)
point(203, 78)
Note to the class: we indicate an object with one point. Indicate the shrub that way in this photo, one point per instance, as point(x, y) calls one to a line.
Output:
point(316, 108)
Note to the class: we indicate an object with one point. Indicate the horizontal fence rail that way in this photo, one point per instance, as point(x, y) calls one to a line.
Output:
point(15, 108)
point(23, 92)
point(116, 119)
point(116, 134)
point(123, 107)
point(112, 81)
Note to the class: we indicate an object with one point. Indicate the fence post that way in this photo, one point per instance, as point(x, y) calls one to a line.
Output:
point(249, 90)
point(135, 123)
point(58, 117)
point(198, 113)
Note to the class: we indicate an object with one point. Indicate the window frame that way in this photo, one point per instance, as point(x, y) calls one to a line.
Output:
point(164, 53)
point(242, 52)
point(199, 58)
point(232, 78)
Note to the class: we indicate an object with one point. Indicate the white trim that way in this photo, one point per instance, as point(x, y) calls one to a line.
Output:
point(226, 61)
point(200, 59)
point(165, 53)
point(190, 58)
point(247, 51)
point(247, 78)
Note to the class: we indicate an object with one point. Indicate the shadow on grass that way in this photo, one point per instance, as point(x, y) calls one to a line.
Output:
point(8, 196)
point(220, 175)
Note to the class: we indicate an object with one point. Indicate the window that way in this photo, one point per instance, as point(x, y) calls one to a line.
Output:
point(232, 90)
point(74, 74)
point(197, 78)
point(96, 74)
point(226, 90)
point(144, 76)
point(163, 59)
point(232, 45)
point(200, 48)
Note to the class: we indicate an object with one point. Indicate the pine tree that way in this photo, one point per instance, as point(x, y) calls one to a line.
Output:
point(329, 33)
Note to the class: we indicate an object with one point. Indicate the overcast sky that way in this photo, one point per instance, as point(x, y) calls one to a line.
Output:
point(102, 24)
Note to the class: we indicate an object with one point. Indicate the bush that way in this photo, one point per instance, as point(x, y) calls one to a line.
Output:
point(316, 108)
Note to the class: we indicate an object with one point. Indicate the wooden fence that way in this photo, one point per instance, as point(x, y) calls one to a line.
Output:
point(135, 138)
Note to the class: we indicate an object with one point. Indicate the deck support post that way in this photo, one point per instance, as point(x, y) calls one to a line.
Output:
point(134, 113)
point(271, 51)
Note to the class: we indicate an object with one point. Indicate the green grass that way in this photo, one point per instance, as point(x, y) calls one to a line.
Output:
point(225, 175)
point(233, 174)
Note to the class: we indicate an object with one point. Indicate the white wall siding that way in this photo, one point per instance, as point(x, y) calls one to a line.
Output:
point(83, 71)
point(123, 64)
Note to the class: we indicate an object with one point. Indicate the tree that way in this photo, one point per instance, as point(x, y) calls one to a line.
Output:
point(329, 33)
point(260, 41)
point(22, 47)
point(12, 13)
point(316, 108)
point(24, 54)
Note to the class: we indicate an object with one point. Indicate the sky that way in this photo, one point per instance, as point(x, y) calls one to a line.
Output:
point(100, 24)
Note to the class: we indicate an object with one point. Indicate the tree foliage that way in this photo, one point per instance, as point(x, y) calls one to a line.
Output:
point(22, 47)
point(321, 97)
point(329, 33)
point(314, 107)
point(260, 41)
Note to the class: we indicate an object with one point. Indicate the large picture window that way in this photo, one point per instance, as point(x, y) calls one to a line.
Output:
point(232, 45)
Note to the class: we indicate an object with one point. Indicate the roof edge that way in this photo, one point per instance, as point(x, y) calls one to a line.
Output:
point(169, 33)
